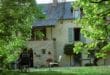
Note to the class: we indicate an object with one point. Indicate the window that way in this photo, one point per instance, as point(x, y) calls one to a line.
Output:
point(77, 14)
point(74, 34)
point(38, 34)
point(43, 51)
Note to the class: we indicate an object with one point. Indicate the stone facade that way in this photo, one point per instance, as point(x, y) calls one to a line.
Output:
point(41, 50)
point(60, 35)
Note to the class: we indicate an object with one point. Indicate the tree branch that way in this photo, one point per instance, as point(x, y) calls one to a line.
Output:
point(98, 1)
point(104, 13)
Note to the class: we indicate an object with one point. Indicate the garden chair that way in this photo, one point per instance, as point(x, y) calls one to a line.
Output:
point(55, 64)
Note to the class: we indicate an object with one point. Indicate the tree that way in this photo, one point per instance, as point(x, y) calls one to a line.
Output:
point(16, 18)
point(95, 24)
point(68, 50)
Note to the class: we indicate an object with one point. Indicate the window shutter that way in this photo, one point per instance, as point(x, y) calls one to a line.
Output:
point(70, 34)
point(82, 38)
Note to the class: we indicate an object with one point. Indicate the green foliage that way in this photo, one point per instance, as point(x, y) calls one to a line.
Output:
point(94, 24)
point(16, 18)
point(78, 47)
point(39, 35)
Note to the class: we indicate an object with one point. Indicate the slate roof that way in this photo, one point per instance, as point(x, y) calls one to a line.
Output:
point(54, 13)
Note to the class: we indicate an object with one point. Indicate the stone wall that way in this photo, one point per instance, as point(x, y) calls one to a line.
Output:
point(40, 57)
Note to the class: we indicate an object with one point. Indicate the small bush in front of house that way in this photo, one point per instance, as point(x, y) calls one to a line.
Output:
point(68, 49)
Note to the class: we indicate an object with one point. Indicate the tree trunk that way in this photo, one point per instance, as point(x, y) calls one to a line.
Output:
point(70, 60)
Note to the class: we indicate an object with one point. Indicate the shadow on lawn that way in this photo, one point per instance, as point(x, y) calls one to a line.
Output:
point(37, 73)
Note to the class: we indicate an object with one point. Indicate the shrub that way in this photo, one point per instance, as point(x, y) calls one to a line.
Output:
point(68, 49)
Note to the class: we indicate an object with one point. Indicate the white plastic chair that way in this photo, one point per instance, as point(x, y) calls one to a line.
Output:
point(55, 64)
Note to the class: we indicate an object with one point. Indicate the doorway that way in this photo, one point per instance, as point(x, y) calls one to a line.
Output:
point(30, 51)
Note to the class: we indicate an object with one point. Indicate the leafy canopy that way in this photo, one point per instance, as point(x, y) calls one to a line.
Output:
point(95, 24)
point(16, 18)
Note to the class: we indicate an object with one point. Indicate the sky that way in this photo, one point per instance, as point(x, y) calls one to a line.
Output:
point(48, 1)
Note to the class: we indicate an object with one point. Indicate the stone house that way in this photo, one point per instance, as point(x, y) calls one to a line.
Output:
point(58, 28)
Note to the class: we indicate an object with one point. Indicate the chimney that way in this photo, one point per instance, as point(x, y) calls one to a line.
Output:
point(55, 2)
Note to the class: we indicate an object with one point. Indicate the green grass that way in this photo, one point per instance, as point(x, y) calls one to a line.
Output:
point(38, 73)
point(64, 71)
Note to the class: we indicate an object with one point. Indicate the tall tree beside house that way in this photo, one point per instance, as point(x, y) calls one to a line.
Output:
point(95, 24)
point(16, 17)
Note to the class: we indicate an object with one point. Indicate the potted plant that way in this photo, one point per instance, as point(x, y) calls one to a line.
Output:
point(68, 50)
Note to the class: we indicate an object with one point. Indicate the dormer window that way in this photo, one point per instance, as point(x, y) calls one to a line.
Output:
point(76, 13)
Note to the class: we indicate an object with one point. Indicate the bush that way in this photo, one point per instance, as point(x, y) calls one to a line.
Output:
point(68, 49)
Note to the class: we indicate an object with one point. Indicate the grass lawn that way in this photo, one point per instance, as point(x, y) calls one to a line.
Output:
point(65, 71)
